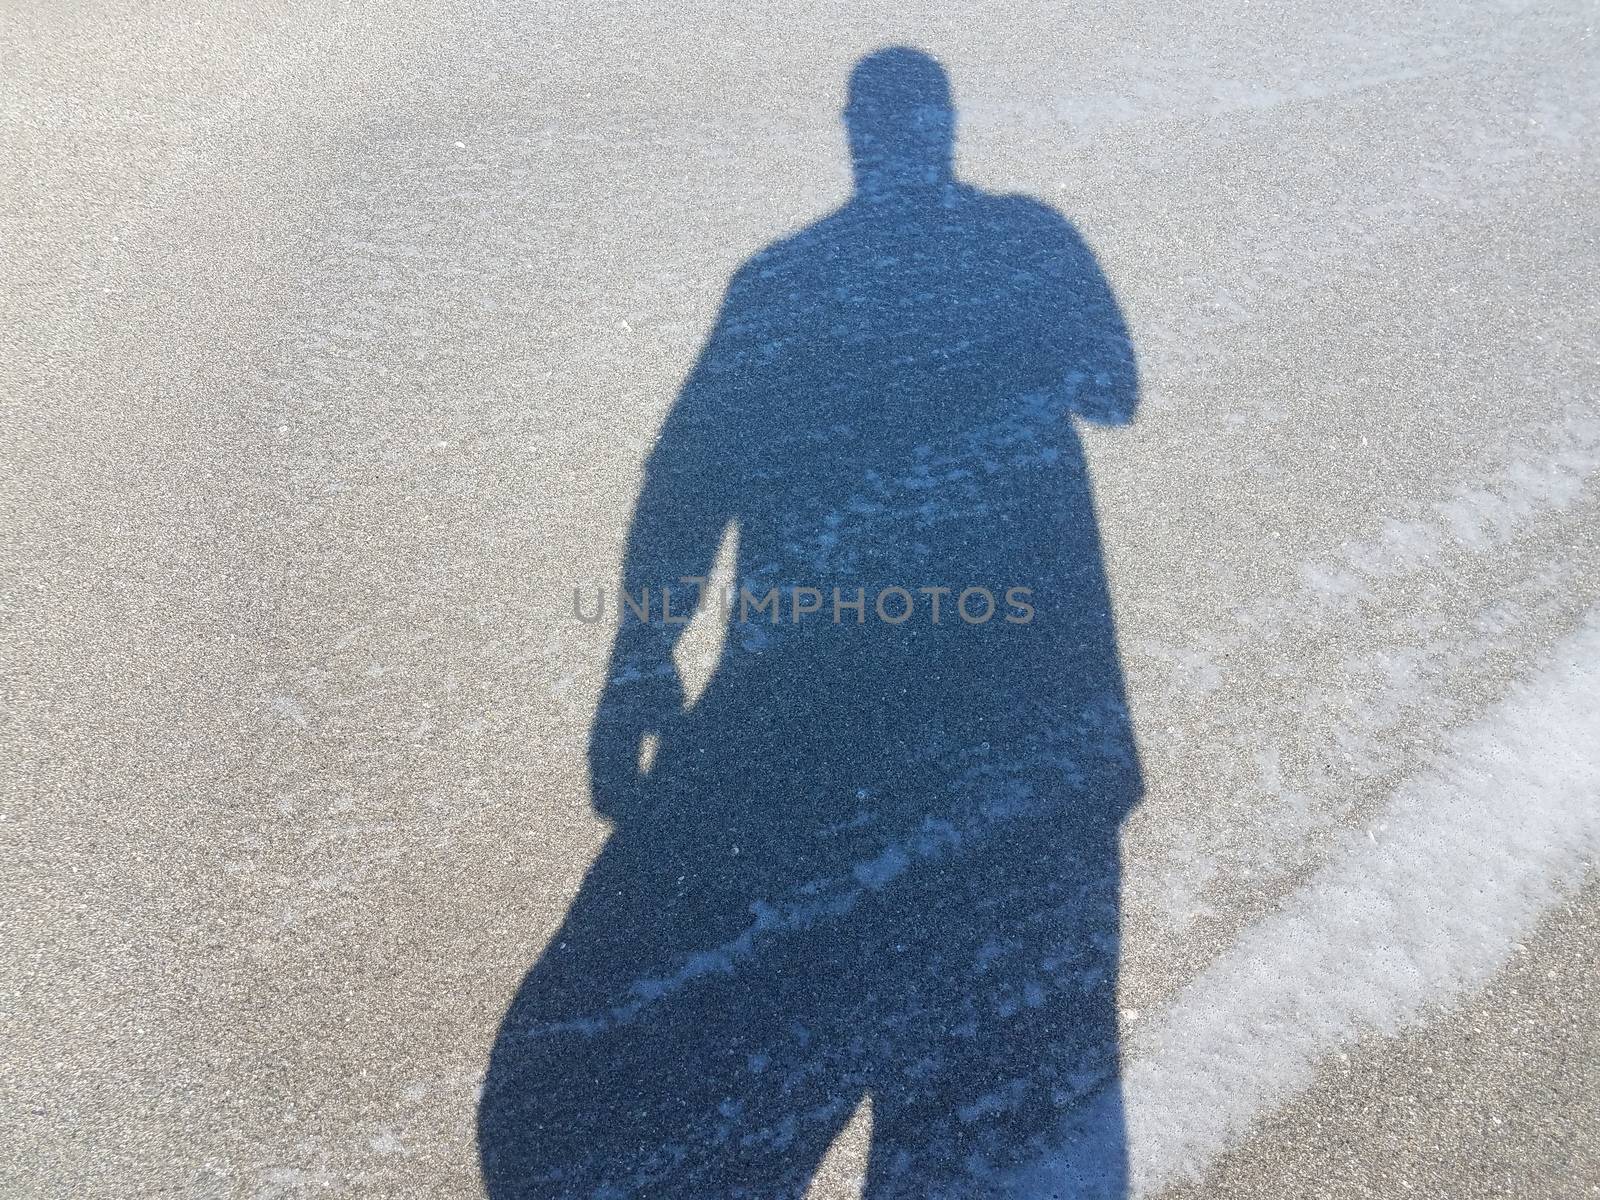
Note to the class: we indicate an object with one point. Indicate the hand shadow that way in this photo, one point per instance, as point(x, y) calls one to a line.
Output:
point(878, 857)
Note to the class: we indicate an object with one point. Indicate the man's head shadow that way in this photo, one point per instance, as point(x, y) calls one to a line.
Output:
point(900, 124)
point(876, 861)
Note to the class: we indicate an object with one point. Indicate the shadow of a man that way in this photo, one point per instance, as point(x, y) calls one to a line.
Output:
point(877, 858)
